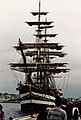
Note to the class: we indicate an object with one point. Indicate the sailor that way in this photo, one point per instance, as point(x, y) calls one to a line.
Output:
point(1, 113)
point(57, 113)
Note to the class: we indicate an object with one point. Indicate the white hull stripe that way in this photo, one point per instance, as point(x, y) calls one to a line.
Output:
point(37, 102)
point(38, 94)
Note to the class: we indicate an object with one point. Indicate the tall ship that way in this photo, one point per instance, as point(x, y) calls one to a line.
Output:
point(39, 87)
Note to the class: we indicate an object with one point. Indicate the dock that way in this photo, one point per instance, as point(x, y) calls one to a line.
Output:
point(29, 117)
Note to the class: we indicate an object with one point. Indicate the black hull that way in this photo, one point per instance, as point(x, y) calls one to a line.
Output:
point(35, 107)
point(32, 108)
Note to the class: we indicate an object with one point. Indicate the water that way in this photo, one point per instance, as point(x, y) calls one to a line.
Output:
point(13, 110)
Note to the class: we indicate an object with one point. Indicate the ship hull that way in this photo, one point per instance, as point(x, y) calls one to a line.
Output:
point(35, 106)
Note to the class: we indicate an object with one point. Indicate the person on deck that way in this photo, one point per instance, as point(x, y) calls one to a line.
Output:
point(1, 113)
point(28, 79)
point(57, 113)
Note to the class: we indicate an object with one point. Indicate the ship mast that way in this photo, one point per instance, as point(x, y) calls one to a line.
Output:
point(42, 51)
point(39, 49)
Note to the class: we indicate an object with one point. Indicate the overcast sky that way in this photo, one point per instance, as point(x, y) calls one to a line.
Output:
point(66, 15)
